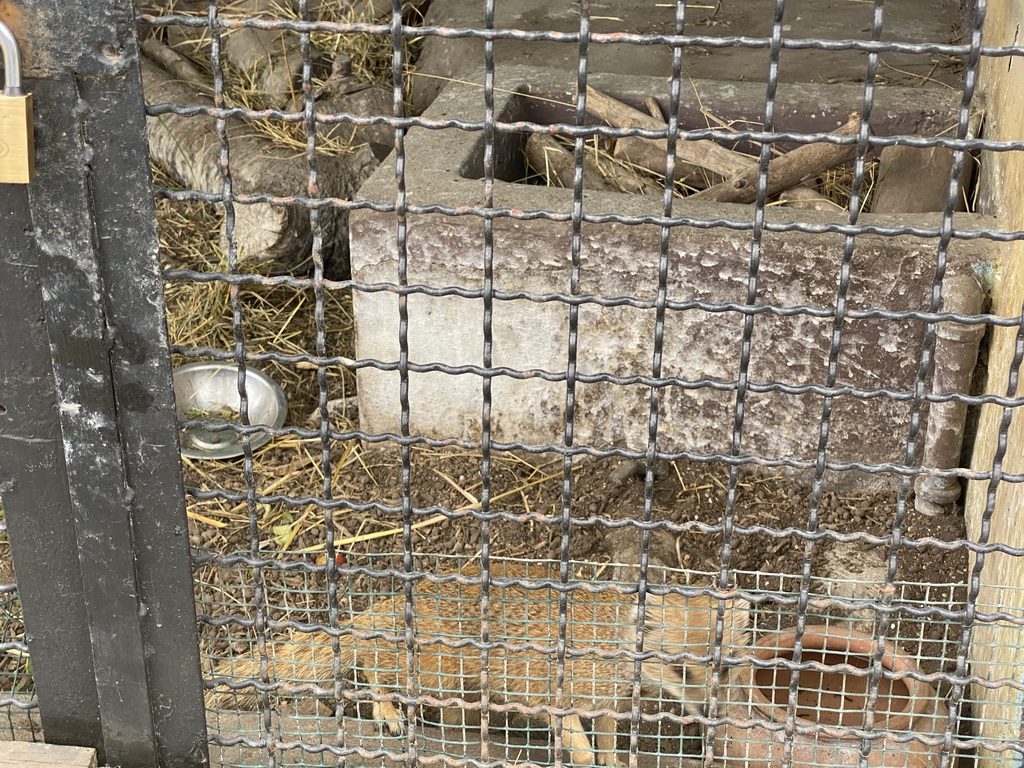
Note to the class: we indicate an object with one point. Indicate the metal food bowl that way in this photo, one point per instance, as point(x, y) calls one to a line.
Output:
point(209, 391)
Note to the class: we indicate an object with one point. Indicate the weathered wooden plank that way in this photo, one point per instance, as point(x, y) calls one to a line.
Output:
point(90, 466)
point(912, 179)
point(21, 754)
point(995, 651)
point(37, 500)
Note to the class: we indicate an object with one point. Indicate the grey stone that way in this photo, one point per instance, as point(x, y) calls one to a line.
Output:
point(910, 21)
point(705, 265)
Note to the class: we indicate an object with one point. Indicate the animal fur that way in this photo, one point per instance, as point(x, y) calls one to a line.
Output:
point(604, 620)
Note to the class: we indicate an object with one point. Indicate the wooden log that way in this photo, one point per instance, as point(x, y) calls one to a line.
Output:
point(787, 170)
point(650, 156)
point(342, 92)
point(557, 162)
point(694, 159)
point(701, 153)
point(617, 176)
point(912, 179)
point(273, 58)
point(654, 108)
point(176, 64)
point(270, 238)
point(549, 158)
point(270, 56)
point(316, 7)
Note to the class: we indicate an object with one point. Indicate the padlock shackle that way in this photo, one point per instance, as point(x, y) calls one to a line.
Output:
point(12, 61)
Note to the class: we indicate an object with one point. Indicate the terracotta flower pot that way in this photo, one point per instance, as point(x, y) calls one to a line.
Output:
point(835, 700)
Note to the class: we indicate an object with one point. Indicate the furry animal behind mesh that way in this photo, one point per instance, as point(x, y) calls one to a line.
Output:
point(604, 621)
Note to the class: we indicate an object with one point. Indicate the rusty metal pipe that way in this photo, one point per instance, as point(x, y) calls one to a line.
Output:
point(956, 354)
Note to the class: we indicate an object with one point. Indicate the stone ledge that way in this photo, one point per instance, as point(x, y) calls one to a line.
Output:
point(709, 263)
point(909, 21)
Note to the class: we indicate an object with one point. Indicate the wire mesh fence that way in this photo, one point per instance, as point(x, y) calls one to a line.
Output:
point(627, 377)
point(448, 664)
point(475, 461)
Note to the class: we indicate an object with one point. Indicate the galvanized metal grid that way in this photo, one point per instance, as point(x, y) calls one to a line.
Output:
point(263, 603)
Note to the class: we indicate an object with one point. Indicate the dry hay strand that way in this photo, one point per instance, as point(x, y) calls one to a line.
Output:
point(240, 91)
point(292, 467)
point(371, 474)
point(837, 185)
point(278, 319)
point(371, 55)
point(603, 159)
point(371, 58)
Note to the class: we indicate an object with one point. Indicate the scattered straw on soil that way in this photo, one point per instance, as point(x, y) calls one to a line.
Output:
point(531, 486)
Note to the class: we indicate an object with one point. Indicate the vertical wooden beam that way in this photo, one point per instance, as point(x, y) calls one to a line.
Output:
point(996, 651)
point(89, 463)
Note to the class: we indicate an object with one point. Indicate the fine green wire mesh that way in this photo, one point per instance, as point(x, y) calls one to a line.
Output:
point(927, 643)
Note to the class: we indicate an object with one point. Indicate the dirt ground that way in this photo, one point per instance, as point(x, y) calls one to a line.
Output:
point(530, 488)
point(528, 491)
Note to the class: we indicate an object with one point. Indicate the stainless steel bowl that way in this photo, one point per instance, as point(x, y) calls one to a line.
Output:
point(209, 391)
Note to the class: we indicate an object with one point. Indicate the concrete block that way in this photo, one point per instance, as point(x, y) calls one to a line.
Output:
point(853, 572)
point(911, 21)
point(708, 265)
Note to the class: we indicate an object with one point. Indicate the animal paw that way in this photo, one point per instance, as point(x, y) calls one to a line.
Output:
point(384, 712)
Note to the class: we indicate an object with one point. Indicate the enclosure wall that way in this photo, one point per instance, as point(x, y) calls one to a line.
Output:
point(1001, 190)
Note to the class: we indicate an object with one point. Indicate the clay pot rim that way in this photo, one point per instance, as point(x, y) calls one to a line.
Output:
point(835, 640)
point(824, 639)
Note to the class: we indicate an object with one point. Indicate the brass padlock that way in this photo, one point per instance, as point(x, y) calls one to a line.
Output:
point(17, 147)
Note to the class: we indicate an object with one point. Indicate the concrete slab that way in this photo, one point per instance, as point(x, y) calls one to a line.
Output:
point(909, 21)
point(708, 265)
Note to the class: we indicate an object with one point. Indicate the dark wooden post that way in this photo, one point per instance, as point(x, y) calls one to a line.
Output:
point(90, 472)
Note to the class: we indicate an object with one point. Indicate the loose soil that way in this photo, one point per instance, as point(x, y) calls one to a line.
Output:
point(530, 488)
